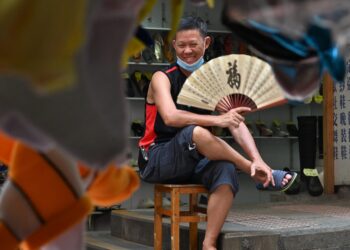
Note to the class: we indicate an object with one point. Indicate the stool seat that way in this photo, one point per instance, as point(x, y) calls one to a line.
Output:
point(194, 215)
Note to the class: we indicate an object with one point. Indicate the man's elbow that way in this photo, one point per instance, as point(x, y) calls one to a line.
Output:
point(170, 120)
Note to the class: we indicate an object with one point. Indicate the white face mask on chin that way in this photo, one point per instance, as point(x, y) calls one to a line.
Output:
point(190, 67)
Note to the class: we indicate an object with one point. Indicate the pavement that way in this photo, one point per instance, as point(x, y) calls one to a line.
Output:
point(292, 222)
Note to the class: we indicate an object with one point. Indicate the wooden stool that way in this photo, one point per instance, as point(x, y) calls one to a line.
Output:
point(192, 216)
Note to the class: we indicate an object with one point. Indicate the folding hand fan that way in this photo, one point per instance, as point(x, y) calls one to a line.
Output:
point(231, 81)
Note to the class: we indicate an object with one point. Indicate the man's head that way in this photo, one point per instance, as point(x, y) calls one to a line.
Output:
point(191, 41)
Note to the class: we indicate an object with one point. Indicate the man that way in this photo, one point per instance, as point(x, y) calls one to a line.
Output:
point(178, 148)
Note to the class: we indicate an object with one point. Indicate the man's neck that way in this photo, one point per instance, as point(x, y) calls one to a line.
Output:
point(185, 72)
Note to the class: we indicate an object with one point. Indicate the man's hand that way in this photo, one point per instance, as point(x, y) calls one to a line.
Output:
point(232, 117)
point(261, 173)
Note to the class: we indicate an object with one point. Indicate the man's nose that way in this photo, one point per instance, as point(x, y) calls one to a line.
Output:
point(187, 49)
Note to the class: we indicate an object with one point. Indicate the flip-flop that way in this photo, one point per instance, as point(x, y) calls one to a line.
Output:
point(278, 176)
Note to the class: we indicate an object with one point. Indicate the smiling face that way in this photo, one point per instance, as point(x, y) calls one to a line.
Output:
point(190, 45)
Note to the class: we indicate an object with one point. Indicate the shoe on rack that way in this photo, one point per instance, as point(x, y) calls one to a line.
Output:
point(318, 96)
point(292, 129)
point(307, 100)
point(148, 56)
point(136, 57)
point(158, 47)
point(263, 129)
point(168, 50)
point(129, 90)
point(140, 82)
point(147, 203)
point(166, 202)
point(277, 129)
point(217, 131)
point(137, 127)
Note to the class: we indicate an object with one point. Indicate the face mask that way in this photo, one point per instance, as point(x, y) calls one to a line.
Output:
point(190, 67)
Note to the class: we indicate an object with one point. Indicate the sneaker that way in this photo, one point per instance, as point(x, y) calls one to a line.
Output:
point(263, 129)
point(277, 130)
point(166, 202)
point(147, 203)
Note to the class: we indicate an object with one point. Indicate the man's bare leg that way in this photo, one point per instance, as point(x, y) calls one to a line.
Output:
point(219, 204)
point(215, 148)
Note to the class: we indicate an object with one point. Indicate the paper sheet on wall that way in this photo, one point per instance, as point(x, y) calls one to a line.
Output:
point(341, 125)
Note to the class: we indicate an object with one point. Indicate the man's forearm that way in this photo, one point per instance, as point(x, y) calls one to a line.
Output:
point(243, 137)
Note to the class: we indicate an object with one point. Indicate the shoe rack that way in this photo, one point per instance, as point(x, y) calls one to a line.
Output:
point(268, 127)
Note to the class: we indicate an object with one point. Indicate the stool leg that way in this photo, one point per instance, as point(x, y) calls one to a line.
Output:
point(193, 225)
point(157, 220)
point(175, 226)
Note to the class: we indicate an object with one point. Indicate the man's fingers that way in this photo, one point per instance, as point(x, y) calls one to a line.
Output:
point(252, 170)
point(242, 109)
point(272, 179)
point(269, 179)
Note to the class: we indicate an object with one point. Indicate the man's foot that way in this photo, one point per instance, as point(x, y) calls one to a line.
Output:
point(283, 181)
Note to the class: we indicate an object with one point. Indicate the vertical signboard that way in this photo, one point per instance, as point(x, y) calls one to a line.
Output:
point(341, 125)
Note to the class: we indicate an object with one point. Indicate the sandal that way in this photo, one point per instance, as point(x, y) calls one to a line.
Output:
point(263, 129)
point(278, 176)
point(296, 186)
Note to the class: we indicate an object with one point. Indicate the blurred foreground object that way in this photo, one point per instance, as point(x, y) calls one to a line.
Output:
point(88, 118)
point(300, 39)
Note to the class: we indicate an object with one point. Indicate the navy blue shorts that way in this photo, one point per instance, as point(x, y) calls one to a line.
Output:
point(178, 162)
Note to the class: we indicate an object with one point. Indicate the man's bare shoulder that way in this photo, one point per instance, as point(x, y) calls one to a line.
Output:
point(159, 77)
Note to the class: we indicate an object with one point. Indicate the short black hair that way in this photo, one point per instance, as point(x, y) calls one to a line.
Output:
point(191, 22)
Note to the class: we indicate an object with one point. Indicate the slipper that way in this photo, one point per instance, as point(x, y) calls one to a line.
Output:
point(278, 176)
point(296, 186)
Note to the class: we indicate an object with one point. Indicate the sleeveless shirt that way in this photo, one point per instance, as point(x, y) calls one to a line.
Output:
point(156, 131)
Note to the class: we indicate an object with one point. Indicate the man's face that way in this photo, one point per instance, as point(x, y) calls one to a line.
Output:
point(190, 45)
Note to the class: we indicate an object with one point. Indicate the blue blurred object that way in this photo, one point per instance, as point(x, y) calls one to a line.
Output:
point(299, 46)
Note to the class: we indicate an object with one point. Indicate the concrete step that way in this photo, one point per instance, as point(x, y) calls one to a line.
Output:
point(137, 226)
point(103, 240)
point(317, 224)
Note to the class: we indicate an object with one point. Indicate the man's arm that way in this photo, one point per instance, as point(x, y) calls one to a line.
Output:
point(160, 94)
point(244, 138)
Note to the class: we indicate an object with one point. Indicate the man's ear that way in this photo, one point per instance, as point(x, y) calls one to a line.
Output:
point(207, 41)
point(174, 43)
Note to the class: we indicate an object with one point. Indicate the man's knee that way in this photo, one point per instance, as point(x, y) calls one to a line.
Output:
point(200, 132)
